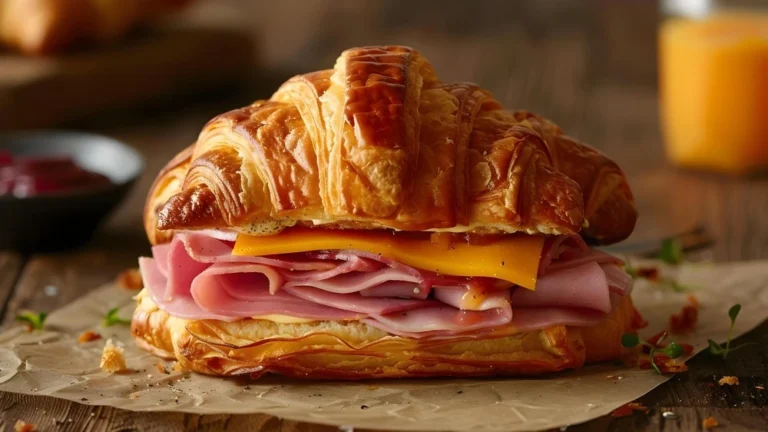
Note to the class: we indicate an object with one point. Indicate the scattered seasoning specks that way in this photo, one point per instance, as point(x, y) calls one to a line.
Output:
point(363, 407)
point(460, 392)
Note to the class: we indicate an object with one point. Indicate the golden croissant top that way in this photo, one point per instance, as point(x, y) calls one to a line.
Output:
point(381, 142)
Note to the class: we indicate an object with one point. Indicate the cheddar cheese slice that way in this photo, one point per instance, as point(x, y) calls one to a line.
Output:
point(511, 258)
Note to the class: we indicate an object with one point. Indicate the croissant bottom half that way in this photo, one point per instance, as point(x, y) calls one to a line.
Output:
point(354, 350)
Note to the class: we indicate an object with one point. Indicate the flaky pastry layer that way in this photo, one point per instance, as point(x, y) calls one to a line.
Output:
point(354, 350)
point(381, 142)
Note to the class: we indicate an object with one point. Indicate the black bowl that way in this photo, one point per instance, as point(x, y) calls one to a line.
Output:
point(59, 221)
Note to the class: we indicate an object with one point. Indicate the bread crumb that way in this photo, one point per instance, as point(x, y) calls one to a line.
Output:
point(637, 406)
point(729, 380)
point(627, 409)
point(112, 358)
point(22, 426)
point(88, 336)
point(687, 318)
point(709, 423)
point(130, 279)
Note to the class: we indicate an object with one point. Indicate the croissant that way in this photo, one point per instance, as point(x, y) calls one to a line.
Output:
point(380, 142)
point(258, 347)
point(52, 26)
point(371, 221)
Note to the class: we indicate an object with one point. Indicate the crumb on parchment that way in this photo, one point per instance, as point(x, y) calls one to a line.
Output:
point(130, 279)
point(22, 426)
point(728, 380)
point(88, 336)
point(687, 318)
point(112, 358)
point(709, 423)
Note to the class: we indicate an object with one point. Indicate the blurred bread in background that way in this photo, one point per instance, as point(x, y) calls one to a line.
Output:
point(39, 27)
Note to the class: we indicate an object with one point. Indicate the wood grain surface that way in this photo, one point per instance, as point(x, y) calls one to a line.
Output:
point(148, 68)
point(590, 66)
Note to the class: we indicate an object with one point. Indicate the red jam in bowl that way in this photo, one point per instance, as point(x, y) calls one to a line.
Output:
point(30, 176)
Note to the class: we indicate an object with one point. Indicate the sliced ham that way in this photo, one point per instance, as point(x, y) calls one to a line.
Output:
point(182, 306)
point(619, 281)
point(527, 319)
point(233, 296)
point(230, 299)
point(584, 286)
point(443, 319)
point(400, 289)
point(197, 277)
point(211, 250)
point(357, 303)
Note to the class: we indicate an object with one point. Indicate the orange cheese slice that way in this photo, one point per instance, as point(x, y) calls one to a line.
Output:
point(512, 258)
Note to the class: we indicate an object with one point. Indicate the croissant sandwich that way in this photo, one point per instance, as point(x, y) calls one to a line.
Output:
point(371, 221)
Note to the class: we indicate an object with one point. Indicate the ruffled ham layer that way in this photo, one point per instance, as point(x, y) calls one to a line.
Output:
point(197, 277)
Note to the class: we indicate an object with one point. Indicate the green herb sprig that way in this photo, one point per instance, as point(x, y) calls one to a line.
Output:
point(719, 350)
point(673, 350)
point(111, 318)
point(33, 320)
point(672, 251)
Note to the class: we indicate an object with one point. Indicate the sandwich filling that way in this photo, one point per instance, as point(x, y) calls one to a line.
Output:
point(398, 284)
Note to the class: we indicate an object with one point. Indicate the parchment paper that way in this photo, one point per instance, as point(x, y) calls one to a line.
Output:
point(51, 362)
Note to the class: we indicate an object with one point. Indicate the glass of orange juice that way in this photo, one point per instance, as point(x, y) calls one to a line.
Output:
point(713, 77)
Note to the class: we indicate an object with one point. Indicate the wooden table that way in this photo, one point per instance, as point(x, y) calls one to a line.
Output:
point(588, 67)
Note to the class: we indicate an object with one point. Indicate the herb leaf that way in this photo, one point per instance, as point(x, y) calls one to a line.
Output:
point(715, 348)
point(111, 318)
point(653, 361)
point(671, 251)
point(673, 350)
point(733, 312)
point(33, 320)
point(630, 340)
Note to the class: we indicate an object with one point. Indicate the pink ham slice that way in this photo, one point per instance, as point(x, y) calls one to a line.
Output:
point(585, 286)
point(439, 320)
point(563, 252)
point(182, 306)
point(230, 299)
point(357, 303)
point(197, 277)
point(527, 319)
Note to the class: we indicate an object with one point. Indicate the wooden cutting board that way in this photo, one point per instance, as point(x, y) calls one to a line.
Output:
point(148, 67)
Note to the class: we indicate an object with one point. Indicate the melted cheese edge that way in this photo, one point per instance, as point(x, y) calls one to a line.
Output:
point(512, 258)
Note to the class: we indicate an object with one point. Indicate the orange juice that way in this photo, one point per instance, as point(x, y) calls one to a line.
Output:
point(714, 91)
